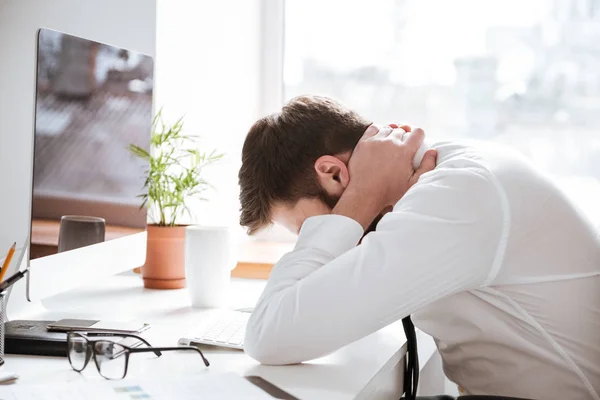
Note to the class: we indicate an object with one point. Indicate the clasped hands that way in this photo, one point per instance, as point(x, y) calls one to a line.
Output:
point(381, 171)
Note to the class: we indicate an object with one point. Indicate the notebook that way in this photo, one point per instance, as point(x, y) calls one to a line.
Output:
point(32, 338)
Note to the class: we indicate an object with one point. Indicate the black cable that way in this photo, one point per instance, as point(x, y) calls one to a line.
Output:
point(411, 373)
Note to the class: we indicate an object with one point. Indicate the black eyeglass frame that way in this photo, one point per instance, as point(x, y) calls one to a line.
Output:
point(126, 352)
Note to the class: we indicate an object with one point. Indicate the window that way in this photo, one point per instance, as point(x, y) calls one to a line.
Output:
point(521, 73)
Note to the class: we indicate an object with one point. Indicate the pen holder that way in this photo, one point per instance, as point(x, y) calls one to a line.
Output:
point(2, 320)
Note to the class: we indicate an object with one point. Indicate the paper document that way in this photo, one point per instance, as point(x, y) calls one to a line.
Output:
point(208, 386)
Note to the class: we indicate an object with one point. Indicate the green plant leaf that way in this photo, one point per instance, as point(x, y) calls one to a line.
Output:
point(175, 170)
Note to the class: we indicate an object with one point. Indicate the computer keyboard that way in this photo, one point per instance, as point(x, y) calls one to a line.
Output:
point(226, 331)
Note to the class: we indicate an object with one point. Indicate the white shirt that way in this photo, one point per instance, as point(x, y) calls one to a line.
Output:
point(488, 256)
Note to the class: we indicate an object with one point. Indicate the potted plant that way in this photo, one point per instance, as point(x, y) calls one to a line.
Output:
point(174, 176)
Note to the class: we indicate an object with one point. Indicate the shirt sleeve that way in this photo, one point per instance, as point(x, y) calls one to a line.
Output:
point(441, 238)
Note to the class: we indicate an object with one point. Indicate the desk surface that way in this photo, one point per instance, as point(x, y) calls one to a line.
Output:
point(368, 368)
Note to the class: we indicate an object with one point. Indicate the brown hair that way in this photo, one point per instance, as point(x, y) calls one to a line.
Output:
point(280, 151)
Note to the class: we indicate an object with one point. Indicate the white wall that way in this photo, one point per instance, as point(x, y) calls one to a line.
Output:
point(207, 68)
point(129, 24)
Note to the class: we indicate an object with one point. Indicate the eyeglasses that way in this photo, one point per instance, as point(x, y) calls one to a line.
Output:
point(111, 358)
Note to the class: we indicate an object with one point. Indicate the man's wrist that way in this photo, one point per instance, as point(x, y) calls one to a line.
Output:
point(361, 207)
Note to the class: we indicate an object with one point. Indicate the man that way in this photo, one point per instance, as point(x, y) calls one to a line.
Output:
point(488, 256)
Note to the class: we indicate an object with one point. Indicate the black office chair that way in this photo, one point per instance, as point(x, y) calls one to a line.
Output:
point(411, 372)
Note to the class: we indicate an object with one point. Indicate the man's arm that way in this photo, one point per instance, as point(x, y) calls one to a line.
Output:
point(441, 238)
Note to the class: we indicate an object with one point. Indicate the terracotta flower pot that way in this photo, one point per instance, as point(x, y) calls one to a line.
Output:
point(165, 265)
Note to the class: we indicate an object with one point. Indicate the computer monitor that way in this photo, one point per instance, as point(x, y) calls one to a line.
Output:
point(92, 101)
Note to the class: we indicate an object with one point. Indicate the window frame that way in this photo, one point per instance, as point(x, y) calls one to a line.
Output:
point(272, 40)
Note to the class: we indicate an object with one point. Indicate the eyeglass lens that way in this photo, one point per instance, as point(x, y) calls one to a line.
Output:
point(110, 359)
point(79, 352)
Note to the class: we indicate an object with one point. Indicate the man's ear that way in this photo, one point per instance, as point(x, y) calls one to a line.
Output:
point(333, 174)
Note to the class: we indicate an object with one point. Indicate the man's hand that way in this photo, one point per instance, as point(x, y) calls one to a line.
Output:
point(381, 172)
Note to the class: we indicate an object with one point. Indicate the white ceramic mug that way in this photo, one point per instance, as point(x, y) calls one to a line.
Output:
point(210, 255)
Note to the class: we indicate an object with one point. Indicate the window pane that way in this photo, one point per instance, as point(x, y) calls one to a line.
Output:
point(524, 73)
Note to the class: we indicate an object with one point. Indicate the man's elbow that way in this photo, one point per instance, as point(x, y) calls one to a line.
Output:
point(267, 344)
point(262, 349)
point(262, 354)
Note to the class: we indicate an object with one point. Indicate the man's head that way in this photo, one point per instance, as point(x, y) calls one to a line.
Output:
point(294, 162)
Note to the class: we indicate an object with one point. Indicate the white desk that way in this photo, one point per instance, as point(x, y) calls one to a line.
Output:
point(366, 369)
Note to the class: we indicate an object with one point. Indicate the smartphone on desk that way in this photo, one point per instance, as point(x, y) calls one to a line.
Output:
point(69, 325)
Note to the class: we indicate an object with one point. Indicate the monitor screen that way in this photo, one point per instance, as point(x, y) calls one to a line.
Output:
point(92, 101)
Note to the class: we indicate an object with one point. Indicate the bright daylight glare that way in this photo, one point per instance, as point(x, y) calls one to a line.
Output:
point(522, 73)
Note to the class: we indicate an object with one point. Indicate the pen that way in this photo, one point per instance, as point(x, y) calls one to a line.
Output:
point(12, 280)
point(7, 261)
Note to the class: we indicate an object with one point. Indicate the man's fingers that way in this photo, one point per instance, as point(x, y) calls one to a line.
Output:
point(396, 126)
point(427, 164)
point(398, 134)
point(371, 131)
point(415, 138)
point(384, 132)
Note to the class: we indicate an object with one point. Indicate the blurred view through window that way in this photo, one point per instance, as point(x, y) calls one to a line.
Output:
point(523, 73)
